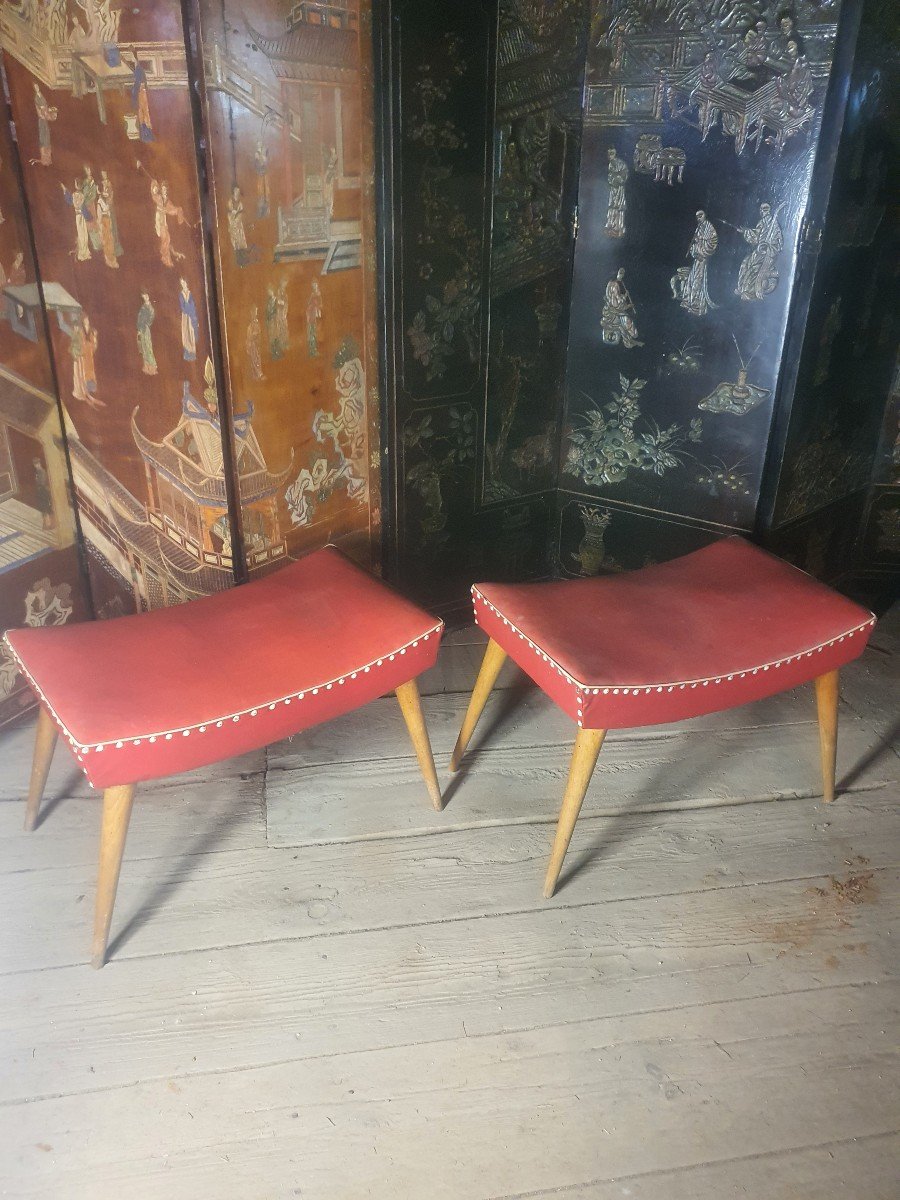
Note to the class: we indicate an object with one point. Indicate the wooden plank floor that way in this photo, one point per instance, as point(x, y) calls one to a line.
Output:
point(321, 988)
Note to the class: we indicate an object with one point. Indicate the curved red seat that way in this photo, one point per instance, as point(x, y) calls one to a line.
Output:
point(709, 631)
point(150, 695)
point(163, 692)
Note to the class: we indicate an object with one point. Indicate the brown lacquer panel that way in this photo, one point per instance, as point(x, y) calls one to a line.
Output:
point(102, 108)
point(290, 124)
point(40, 579)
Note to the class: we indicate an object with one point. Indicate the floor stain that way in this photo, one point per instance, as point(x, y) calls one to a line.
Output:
point(831, 909)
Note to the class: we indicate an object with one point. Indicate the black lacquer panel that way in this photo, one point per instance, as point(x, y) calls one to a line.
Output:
point(700, 135)
point(484, 137)
point(851, 331)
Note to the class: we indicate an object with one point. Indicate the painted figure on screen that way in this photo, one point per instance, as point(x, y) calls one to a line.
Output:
point(107, 194)
point(313, 317)
point(281, 316)
point(276, 346)
point(43, 500)
point(75, 200)
point(254, 352)
point(45, 114)
point(689, 283)
point(236, 231)
point(758, 276)
point(190, 324)
point(616, 322)
point(89, 190)
point(163, 209)
point(261, 167)
point(145, 318)
point(615, 212)
point(83, 343)
point(141, 101)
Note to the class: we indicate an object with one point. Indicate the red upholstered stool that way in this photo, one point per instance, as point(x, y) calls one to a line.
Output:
point(709, 631)
point(145, 696)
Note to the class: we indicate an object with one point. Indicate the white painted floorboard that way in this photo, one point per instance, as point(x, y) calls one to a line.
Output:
point(320, 988)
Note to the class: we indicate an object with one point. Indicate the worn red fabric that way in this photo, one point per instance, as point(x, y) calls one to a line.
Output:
point(150, 695)
point(709, 631)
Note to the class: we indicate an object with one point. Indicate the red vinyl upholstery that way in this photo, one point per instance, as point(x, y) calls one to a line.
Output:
point(717, 628)
point(146, 696)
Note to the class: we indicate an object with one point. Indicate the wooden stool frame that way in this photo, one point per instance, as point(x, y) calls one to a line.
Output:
point(588, 743)
point(118, 802)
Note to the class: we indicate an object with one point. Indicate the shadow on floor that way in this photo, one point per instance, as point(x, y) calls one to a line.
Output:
point(491, 729)
point(179, 871)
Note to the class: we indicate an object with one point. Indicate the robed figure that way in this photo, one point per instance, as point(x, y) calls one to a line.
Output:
point(616, 322)
point(689, 283)
point(190, 325)
point(75, 200)
point(261, 167)
point(107, 231)
point(758, 275)
point(236, 231)
point(313, 317)
point(254, 352)
point(164, 208)
point(145, 318)
point(91, 192)
point(276, 346)
point(83, 341)
point(141, 101)
point(615, 212)
point(45, 114)
point(281, 316)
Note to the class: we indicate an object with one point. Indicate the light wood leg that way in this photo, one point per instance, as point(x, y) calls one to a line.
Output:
point(44, 745)
point(493, 660)
point(117, 802)
point(411, 707)
point(584, 759)
point(827, 706)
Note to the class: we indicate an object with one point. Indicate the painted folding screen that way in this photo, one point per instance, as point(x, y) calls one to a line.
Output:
point(288, 115)
point(102, 109)
point(701, 128)
point(484, 131)
point(40, 580)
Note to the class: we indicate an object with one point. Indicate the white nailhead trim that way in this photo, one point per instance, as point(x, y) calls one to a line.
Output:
point(438, 629)
point(478, 597)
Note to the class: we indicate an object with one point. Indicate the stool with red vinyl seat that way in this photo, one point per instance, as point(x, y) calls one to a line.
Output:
point(146, 696)
point(709, 631)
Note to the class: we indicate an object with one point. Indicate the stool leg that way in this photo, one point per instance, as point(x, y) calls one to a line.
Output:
point(584, 759)
point(827, 706)
point(493, 660)
point(44, 745)
point(117, 802)
point(411, 707)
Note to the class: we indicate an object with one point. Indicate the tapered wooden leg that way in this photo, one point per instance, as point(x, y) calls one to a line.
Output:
point(411, 707)
point(827, 705)
point(117, 802)
point(44, 745)
point(584, 759)
point(493, 660)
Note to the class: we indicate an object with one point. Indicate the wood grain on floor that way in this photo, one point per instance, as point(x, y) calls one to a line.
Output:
point(321, 988)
